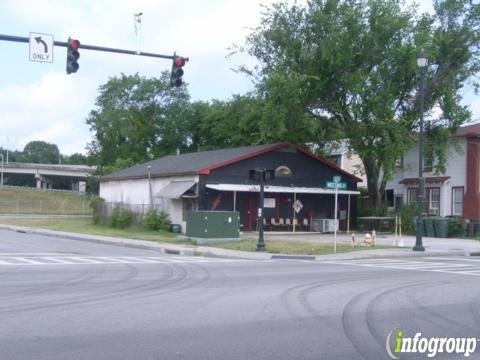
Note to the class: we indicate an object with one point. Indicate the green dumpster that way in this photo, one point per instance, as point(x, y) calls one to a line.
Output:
point(441, 227)
point(429, 229)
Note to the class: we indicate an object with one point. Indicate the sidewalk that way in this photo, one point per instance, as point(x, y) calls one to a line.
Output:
point(433, 246)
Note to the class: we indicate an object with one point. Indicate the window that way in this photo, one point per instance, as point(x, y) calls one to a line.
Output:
point(337, 159)
point(399, 162)
point(283, 171)
point(434, 201)
point(412, 196)
point(457, 200)
point(428, 160)
point(398, 202)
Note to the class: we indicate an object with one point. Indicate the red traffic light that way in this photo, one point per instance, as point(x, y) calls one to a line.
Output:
point(179, 61)
point(75, 44)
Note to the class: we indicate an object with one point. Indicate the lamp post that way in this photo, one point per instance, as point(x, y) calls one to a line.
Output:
point(1, 176)
point(261, 241)
point(422, 63)
point(150, 186)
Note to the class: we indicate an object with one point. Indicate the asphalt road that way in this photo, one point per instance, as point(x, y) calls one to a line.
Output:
point(67, 299)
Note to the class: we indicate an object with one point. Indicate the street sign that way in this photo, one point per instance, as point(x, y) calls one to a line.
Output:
point(337, 179)
point(297, 206)
point(342, 185)
point(41, 47)
point(332, 185)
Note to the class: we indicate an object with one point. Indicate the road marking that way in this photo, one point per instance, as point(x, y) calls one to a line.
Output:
point(432, 266)
point(28, 261)
point(105, 260)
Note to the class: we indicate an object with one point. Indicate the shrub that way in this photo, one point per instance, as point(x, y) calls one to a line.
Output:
point(164, 221)
point(151, 221)
point(96, 204)
point(408, 215)
point(155, 220)
point(121, 218)
point(455, 227)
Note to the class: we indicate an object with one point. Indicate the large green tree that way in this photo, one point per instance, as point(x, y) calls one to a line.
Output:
point(348, 68)
point(137, 119)
point(41, 152)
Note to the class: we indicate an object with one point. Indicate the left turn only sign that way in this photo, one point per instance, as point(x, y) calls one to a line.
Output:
point(41, 47)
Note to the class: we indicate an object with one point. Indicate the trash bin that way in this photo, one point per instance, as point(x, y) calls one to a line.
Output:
point(476, 229)
point(470, 229)
point(175, 228)
point(441, 227)
point(429, 229)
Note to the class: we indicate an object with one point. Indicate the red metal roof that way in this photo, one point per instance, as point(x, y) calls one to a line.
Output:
point(469, 131)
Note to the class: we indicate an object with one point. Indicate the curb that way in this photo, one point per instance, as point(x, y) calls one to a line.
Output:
point(203, 251)
point(175, 249)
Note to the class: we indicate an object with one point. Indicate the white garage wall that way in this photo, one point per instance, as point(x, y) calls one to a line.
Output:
point(136, 191)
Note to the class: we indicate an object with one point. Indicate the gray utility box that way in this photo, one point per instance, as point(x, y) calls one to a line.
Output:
point(213, 224)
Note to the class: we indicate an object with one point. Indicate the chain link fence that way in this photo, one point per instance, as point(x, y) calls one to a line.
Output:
point(47, 207)
point(107, 208)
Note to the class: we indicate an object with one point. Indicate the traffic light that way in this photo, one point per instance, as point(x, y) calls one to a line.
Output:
point(177, 71)
point(72, 56)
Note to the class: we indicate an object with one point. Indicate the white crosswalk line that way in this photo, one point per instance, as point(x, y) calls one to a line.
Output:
point(56, 260)
point(85, 260)
point(28, 261)
point(458, 266)
point(72, 259)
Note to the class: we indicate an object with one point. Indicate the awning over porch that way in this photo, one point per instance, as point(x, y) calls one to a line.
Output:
point(278, 189)
point(175, 189)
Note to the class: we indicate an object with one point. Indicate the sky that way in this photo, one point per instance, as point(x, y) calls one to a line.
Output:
point(38, 101)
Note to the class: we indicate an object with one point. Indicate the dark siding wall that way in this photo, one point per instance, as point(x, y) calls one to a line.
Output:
point(306, 171)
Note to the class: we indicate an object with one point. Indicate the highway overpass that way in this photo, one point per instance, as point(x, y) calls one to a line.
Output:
point(46, 176)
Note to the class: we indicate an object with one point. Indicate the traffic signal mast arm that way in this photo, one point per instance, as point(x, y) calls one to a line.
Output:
point(93, 47)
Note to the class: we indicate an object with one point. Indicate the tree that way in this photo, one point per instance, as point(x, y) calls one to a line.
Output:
point(347, 68)
point(41, 152)
point(75, 159)
point(137, 119)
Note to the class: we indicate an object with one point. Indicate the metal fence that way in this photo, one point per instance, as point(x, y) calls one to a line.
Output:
point(107, 208)
point(49, 207)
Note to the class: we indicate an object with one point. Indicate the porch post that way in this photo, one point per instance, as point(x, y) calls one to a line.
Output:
point(348, 215)
point(293, 220)
point(234, 201)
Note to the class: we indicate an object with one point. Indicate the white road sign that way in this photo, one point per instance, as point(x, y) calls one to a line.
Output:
point(297, 206)
point(41, 47)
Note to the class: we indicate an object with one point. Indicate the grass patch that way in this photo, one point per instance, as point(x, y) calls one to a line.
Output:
point(86, 226)
point(292, 247)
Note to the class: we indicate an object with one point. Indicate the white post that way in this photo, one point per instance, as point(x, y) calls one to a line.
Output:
point(234, 201)
point(348, 215)
point(335, 223)
point(294, 217)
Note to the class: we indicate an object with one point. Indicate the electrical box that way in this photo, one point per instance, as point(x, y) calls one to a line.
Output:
point(213, 224)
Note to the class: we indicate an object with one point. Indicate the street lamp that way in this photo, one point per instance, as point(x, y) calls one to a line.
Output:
point(422, 63)
point(1, 176)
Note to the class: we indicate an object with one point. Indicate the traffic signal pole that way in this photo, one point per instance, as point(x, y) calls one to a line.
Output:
point(92, 47)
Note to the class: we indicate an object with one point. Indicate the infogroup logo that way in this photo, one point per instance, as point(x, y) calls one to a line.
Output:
point(397, 343)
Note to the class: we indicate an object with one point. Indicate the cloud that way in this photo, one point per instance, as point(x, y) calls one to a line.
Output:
point(50, 109)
